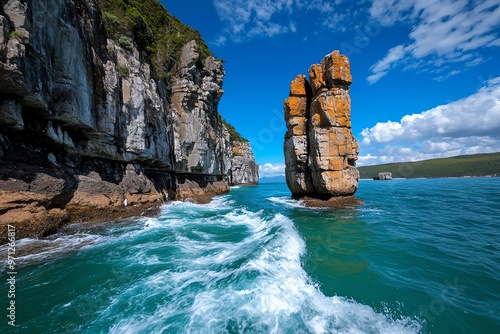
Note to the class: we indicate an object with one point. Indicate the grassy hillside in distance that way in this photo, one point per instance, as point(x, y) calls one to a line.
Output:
point(464, 165)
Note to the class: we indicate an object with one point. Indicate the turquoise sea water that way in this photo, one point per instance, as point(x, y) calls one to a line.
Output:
point(420, 256)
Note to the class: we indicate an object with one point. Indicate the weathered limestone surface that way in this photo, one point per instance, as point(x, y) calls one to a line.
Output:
point(244, 170)
point(298, 174)
point(87, 129)
point(320, 150)
point(201, 142)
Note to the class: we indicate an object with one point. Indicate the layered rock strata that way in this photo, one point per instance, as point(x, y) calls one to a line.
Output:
point(87, 129)
point(320, 150)
point(244, 170)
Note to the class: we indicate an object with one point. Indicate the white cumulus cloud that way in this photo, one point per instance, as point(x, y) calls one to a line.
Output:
point(428, 149)
point(478, 114)
point(470, 125)
point(271, 170)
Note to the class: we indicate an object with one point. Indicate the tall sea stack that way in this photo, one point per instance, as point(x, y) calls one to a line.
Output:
point(320, 150)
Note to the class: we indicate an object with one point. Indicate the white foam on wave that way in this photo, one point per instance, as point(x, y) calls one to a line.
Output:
point(235, 187)
point(242, 216)
point(217, 203)
point(248, 284)
point(152, 223)
point(77, 237)
point(31, 251)
point(182, 213)
point(287, 201)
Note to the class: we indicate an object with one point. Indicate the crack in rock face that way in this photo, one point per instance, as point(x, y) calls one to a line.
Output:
point(320, 150)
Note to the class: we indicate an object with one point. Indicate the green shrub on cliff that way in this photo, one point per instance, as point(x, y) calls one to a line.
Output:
point(125, 42)
point(233, 134)
point(158, 35)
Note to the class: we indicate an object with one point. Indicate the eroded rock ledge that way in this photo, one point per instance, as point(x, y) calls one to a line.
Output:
point(320, 150)
point(89, 131)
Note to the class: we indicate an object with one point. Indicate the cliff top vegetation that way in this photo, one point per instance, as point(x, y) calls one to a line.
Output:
point(158, 35)
point(233, 134)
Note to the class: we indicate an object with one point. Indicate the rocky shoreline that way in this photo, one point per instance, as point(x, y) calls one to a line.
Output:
point(92, 129)
point(39, 199)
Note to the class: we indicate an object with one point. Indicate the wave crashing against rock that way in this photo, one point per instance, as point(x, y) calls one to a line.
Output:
point(92, 129)
point(320, 150)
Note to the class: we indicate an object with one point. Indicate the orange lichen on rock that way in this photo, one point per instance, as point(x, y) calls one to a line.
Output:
point(339, 67)
point(320, 150)
point(237, 150)
point(296, 106)
point(298, 86)
point(317, 76)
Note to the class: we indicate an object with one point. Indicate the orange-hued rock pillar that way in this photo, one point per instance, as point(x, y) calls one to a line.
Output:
point(296, 107)
point(320, 150)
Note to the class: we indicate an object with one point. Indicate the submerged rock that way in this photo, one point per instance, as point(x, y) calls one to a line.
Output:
point(320, 150)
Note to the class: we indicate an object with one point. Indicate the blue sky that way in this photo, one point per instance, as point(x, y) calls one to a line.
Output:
point(426, 73)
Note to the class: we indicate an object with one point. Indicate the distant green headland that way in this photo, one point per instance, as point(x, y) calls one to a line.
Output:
point(460, 166)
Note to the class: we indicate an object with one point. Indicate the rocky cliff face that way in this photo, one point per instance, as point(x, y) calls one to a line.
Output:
point(201, 142)
point(320, 150)
point(86, 124)
point(244, 170)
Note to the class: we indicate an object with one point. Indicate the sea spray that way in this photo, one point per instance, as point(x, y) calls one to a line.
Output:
point(211, 268)
point(257, 261)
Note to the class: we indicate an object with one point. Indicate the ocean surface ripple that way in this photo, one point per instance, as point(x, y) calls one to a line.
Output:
point(418, 256)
